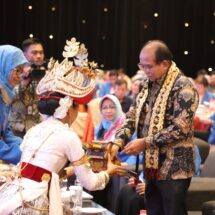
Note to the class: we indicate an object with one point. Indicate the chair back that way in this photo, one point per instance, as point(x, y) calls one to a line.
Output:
point(203, 148)
point(208, 169)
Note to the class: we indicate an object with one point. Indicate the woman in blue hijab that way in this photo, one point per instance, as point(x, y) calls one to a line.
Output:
point(12, 62)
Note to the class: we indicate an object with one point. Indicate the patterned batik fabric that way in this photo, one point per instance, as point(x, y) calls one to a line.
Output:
point(24, 112)
point(11, 189)
point(175, 140)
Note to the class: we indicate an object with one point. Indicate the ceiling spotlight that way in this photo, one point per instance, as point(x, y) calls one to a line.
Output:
point(83, 21)
point(212, 41)
point(186, 24)
point(105, 9)
point(186, 52)
point(51, 36)
point(156, 14)
point(210, 69)
point(53, 8)
point(30, 7)
point(31, 35)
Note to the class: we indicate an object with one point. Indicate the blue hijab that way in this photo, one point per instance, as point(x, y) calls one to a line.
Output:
point(10, 58)
point(104, 123)
point(107, 124)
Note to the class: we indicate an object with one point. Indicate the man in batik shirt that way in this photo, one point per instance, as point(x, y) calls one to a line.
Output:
point(163, 118)
point(24, 113)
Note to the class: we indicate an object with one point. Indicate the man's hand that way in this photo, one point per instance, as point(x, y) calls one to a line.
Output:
point(140, 188)
point(134, 147)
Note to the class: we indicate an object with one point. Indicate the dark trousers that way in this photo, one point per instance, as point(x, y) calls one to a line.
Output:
point(108, 197)
point(129, 202)
point(167, 197)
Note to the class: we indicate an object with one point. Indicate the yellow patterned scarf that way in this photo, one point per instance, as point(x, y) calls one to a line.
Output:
point(157, 119)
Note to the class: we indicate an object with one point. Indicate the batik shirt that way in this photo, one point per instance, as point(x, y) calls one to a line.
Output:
point(175, 140)
point(24, 112)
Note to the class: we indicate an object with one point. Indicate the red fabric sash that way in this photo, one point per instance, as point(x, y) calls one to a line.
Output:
point(33, 172)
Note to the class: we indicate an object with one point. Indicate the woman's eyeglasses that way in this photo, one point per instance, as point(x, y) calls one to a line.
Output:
point(18, 71)
point(106, 108)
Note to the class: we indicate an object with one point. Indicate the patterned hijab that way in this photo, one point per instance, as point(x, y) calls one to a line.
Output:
point(10, 58)
point(111, 126)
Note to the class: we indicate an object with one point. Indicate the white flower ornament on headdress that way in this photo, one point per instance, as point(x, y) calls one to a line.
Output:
point(71, 49)
point(65, 104)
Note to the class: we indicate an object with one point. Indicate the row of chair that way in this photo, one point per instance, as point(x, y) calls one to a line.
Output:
point(201, 194)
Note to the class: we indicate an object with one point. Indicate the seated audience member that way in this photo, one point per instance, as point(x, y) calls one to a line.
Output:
point(136, 81)
point(123, 76)
point(202, 126)
point(202, 122)
point(211, 138)
point(121, 92)
point(112, 119)
point(109, 86)
point(134, 88)
point(12, 62)
point(211, 87)
point(202, 84)
point(99, 81)
point(197, 161)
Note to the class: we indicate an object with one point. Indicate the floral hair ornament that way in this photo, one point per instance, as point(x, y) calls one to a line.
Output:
point(65, 103)
point(74, 78)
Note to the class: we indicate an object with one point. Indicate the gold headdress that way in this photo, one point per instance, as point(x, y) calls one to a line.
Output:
point(72, 78)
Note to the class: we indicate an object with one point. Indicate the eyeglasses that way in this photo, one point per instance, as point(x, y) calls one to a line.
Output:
point(146, 66)
point(106, 108)
point(18, 71)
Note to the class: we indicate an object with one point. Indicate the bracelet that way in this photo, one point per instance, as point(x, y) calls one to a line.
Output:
point(148, 141)
point(107, 177)
point(117, 144)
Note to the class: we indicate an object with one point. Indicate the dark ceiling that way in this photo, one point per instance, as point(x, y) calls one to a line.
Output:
point(115, 30)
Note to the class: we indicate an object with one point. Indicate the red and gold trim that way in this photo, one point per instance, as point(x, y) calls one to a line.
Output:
point(35, 173)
